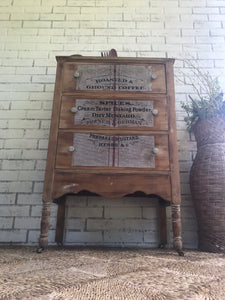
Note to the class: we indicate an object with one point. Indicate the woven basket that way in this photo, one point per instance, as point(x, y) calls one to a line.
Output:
point(207, 180)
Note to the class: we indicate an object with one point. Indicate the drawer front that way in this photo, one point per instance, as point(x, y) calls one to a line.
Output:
point(77, 149)
point(114, 77)
point(93, 113)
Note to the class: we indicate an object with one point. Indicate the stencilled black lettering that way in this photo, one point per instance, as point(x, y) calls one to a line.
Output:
point(117, 113)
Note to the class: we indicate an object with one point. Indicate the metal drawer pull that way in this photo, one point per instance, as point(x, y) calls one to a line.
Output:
point(76, 74)
point(154, 76)
point(73, 109)
point(155, 112)
point(155, 150)
point(71, 149)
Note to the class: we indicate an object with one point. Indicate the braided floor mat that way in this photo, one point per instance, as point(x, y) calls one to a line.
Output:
point(110, 274)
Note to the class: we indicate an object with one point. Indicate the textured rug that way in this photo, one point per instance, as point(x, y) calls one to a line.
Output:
point(110, 274)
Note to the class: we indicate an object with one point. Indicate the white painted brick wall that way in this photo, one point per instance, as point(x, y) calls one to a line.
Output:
point(32, 33)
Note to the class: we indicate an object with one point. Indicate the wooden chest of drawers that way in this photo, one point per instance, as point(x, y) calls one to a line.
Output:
point(113, 133)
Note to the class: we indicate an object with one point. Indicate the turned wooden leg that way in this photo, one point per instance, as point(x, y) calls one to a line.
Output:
point(162, 224)
point(60, 221)
point(176, 221)
point(45, 222)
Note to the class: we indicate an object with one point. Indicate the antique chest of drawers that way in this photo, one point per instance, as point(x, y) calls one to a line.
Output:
point(113, 133)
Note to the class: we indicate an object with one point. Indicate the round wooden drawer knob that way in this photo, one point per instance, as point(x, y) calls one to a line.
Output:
point(154, 76)
point(71, 149)
point(155, 150)
point(76, 74)
point(155, 112)
point(73, 109)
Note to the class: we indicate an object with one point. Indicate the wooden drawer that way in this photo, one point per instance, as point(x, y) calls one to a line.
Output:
point(114, 77)
point(81, 112)
point(104, 150)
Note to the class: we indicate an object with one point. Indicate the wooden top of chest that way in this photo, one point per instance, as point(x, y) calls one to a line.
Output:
point(79, 58)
